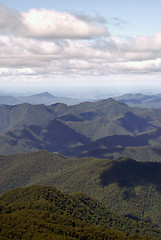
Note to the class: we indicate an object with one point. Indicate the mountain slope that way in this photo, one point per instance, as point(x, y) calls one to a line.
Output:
point(133, 123)
point(110, 181)
point(126, 124)
point(53, 136)
point(62, 214)
point(107, 108)
point(141, 147)
point(18, 116)
point(139, 153)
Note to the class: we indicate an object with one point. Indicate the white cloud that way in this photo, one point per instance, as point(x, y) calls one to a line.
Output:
point(70, 56)
point(47, 43)
point(48, 24)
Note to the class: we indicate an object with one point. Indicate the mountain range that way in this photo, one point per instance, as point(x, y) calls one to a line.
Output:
point(133, 100)
point(105, 128)
point(141, 100)
point(105, 149)
point(40, 98)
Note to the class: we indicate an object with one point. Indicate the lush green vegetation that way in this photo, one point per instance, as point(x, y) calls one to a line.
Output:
point(124, 186)
point(45, 213)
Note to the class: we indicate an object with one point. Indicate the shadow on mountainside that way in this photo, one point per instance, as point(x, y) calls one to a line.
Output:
point(130, 173)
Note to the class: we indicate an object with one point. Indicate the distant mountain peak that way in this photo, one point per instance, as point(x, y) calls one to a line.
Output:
point(108, 100)
point(44, 94)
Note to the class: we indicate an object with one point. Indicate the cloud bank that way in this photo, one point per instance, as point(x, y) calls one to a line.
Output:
point(45, 42)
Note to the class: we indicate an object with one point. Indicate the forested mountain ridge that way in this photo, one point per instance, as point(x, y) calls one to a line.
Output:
point(44, 212)
point(26, 128)
point(125, 186)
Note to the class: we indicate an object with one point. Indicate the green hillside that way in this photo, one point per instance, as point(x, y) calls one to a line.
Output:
point(139, 198)
point(45, 213)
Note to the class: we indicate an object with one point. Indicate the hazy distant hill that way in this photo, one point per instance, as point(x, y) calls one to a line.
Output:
point(133, 100)
point(124, 185)
point(141, 100)
point(9, 100)
point(41, 98)
point(48, 99)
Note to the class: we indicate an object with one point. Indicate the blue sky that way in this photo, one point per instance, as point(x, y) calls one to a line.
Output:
point(141, 17)
point(80, 43)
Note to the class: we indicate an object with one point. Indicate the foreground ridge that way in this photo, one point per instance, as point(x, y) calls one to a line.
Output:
point(39, 212)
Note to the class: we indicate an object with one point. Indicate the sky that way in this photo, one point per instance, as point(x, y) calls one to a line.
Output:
point(89, 43)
